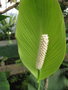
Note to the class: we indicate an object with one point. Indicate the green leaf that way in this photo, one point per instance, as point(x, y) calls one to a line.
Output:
point(56, 81)
point(37, 17)
point(2, 17)
point(4, 85)
point(30, 87)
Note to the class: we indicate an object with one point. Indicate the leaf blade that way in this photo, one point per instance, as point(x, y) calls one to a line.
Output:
point(36, 18)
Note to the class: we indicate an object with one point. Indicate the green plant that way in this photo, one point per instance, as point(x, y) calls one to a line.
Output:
point(6, 26)
point(2, 17)
point(38, 17)
point(4, 85)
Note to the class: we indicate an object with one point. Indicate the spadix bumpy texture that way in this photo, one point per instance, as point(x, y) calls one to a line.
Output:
point(42, 51)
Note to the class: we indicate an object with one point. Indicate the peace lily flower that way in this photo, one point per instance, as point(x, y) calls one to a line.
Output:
point(42, 51)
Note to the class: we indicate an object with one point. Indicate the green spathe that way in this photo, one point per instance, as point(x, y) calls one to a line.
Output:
point(37, 17)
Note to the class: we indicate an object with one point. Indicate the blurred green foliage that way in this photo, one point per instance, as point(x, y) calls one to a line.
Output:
point(4, 85)
point(2, 17)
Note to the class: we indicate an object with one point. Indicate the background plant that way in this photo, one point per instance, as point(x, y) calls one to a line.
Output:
point(7, 27)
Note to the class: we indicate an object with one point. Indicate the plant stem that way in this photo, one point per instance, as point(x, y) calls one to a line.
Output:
point(39, 84)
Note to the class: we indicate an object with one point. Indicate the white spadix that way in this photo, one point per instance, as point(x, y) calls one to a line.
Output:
point(42, 51)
